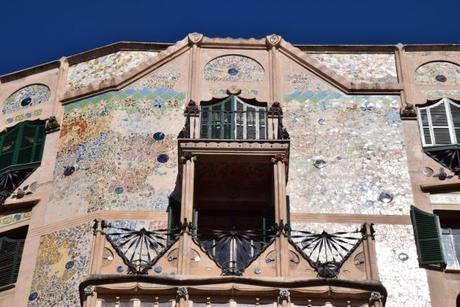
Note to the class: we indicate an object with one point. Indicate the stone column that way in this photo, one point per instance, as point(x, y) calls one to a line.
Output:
point(281, 242)
point(186, 216)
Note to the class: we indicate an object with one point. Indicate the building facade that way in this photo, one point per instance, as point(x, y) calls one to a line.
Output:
point(232, 172)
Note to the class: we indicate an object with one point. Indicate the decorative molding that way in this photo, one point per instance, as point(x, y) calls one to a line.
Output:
point(182, 293)
point(195, 37)
point(284, 295)
point(273, 40)
point(408, 112)
point(375, 297)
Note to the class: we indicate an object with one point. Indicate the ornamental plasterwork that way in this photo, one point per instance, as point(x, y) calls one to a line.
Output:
point(105, 67)
point(233, 68)
point(358, 67)
point(438, 73)
point(26, 97)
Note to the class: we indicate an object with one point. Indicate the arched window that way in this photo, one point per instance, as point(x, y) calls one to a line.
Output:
point(440, 123)
point(233, 118)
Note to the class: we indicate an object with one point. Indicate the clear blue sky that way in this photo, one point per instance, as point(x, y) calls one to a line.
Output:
point(36, 32)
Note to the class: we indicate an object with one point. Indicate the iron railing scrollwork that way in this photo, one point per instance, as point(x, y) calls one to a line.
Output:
point(234, 250)
point(140, 249)
point(327, 252)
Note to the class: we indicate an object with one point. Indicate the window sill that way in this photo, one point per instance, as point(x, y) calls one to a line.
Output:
point(441, 187)
point(18, 204)
point(456, 271)
point(7, 287)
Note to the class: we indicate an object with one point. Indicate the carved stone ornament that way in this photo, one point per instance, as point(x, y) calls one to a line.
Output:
point(273, 40)
point(375, 297)
point(234, 90)
point(275, 109)
point(192, 108)
point(279, 158)
point(408, 111)
point(195, 37)
point(89, 290)
point(52, 125)
point(182, 293)
point(188, 156)
point(284, 295)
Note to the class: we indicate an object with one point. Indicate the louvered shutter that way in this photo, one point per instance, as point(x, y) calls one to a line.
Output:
point(440, 124)
point(455, 111)
point(427, 237)
point(10, 259)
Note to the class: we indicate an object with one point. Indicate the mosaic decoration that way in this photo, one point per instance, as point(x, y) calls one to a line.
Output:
point(398, 267)
point(105, 67)
point(24, 116)
point(14, 218)
point(221, 92)
point(234, 68)
point(62, 262)
point(359, 67)
point(438, 94)
point(438, 73)
point(27, 97)
point(345, 150)
point(117, 164)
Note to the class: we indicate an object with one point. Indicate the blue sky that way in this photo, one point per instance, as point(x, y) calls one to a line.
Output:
point(36, 32)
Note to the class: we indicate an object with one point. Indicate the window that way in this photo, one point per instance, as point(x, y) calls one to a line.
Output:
point(11, 246)
point(21, 149)
point(233, 118)
point(440, 123)
point(450, 236)
point(437, 237)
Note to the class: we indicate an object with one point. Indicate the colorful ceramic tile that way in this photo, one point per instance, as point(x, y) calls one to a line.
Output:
point(24, 116)
point(233, 68)
point(62, 262)
point(105, 68)
point(109, 142)
point(438, 94)
point(346, 150)
point(438, 73)
point(360, 67)
point(221, 92)
point(27, 97)
point(14, 218)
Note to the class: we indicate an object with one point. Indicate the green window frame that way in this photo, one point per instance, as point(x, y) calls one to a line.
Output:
point(233, 118)
point(21, 147)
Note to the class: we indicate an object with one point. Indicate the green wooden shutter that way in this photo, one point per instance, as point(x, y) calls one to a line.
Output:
point(173, 219)
point(427, 237)
point(194, 221)
point(10, 259)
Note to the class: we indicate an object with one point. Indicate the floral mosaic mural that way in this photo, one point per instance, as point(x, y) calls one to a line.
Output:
point(62, 262)
point(23, 116)
point(14, 218)
point(359, 67)
point(438, 73)
point(233, 68)
point(437, 94)
point(347, 152)
point(105, 67)
point(398, 266)
point(118, 150)
point(26, 97)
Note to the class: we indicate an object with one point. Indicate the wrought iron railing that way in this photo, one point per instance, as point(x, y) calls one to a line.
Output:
point(256, 124)
point(139, 249)
point(327, 252)
point(233, 250)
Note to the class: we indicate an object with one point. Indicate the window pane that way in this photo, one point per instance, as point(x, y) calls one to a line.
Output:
point(448, 245)
point(147, 304)
point(438, 115)
point(441, 136)
point(427, 136)
point(455, 110)
point(424, 117)
point(106, 303)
